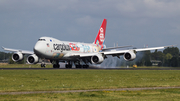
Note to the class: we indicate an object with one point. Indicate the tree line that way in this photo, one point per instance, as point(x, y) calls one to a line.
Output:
point(7, 57)
point(169, 57)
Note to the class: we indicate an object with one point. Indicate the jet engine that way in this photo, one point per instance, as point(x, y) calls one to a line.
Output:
point(33, 59)
point(17, 56)
point(129, 56)
point(97, 59)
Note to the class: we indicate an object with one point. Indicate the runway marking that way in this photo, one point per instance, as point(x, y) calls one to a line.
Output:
point(93, 90)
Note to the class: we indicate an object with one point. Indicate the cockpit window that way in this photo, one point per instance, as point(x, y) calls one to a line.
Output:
point(41, 40)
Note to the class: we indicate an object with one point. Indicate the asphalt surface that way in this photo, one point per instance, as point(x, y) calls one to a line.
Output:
point(95, 68)
point(93, 90)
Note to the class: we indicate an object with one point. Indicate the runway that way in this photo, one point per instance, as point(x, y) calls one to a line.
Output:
point(92, 67)
point(92, 90)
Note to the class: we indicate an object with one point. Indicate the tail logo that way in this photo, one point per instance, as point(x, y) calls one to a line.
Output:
point(101, 35)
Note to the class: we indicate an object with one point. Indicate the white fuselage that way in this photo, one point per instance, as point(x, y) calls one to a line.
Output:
point(51, 48)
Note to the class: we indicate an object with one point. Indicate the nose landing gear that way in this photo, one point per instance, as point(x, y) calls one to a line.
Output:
point(43, 64)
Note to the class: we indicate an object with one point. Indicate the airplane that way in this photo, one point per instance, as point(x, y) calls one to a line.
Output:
point(81, 54)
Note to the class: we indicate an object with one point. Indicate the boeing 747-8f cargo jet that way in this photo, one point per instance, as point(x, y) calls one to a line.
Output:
point(81, 54)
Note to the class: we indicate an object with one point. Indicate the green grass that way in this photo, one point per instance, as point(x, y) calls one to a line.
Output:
point(4, 65)
point(144, 95)
point(47, 80)
point(37, 80)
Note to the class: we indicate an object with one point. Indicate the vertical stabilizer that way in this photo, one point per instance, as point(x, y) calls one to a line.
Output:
point(100, 38)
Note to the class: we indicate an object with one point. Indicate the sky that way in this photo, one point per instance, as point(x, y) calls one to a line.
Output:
point(129, 22)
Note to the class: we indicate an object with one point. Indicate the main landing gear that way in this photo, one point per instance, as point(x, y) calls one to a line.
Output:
point(78, 65)
point(55, 64)
point(68, 65)
point(82, 66)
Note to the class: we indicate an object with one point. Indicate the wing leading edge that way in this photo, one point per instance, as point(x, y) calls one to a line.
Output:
point(121, 52)
point(117, 52)
point(18, 50)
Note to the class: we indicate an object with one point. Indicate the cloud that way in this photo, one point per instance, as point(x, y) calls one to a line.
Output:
point(85, 20)
point(149, 8)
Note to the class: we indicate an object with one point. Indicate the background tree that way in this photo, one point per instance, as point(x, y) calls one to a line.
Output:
point(172, 56)
point(8, 58)
point(168, 57)
point(174, 51)
point(4, 56)
point(146, 58)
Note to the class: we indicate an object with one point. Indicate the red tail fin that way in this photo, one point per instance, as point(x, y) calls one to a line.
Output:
point(101, 34)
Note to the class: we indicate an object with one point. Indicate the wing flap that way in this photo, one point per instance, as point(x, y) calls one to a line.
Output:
point(104, 49)
point(80, 55)
point(119, 52)
point(146, 49)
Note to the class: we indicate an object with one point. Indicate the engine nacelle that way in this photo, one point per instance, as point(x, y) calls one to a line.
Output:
point(129, 56)
point(33, 59)
point(97, 59)
point(17, 56)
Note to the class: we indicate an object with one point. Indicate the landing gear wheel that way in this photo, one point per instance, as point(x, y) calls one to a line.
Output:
point(78, 66)
point(55, 63)
point(43, 65)
point(68, 66)
point(85, 66)
point(56, 66)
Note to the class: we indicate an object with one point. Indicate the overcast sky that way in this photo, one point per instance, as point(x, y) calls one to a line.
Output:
point(129, 22)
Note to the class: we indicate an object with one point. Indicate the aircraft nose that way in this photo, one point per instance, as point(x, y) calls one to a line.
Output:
point(39, 49)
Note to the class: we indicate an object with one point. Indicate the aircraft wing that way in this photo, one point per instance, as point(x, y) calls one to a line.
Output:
point(80, 55)
point(18, 50)
point(121, 52)
point(113, 52)
point(104, 49)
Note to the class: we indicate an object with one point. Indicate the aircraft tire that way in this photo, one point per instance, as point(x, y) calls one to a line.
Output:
point(68, 66)
point(43, 65)
point(56, 66)
point(78, 66)
point(85, 66)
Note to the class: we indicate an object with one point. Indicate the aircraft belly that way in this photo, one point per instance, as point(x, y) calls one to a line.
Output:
point(57, 55)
